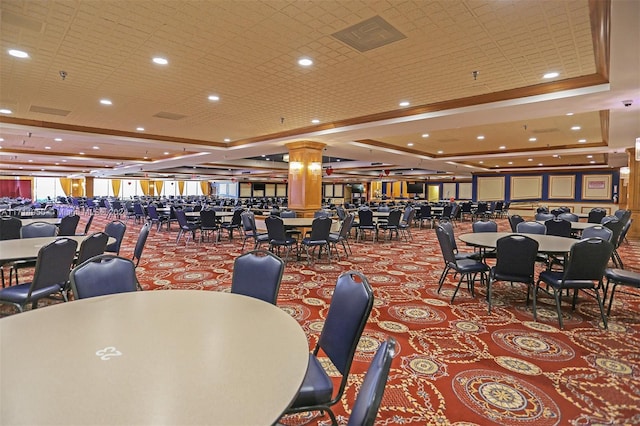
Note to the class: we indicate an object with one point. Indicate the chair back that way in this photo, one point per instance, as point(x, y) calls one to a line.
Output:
point(236, 219)
point(347, 223)
point(10, 228)
point(275, 228)
point(346, 318)
point(544, 216)
point(484, 226)
point(115, 229)
point(320, 229)
point(258, 274)
point(208, 219)
point(448, 227)
point(288, 214)
point(558, 227)
point(393, 219)
point(68, 225)
point(181, 217)
point(514, 220)
point(103, 274)
point(365, 218)
point(446, 247)
point(341, 212)
point(614, 225)
point(516, 258)
point(587, 260)
point(88, 224)
point(596, 214)
point(152, 212)
point(365, 408)
point(598, 231)
point(38, 229)
point(446, 211)
point(249, 223)
point(425, 211)
point(569, 217)
point(531, 227)
point(93, 245)
point(53, 265)
point(140, 242)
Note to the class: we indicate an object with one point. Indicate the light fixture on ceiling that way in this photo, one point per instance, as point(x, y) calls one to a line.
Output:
point(475, 74)
point(18, 53)
point(551, 75)
point(404, 104)
point(305, 62)
point(160, 61)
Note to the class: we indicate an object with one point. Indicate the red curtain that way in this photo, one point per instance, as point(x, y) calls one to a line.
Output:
point(15, 188)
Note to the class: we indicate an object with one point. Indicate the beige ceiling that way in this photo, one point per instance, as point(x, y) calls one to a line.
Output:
point(246, 53)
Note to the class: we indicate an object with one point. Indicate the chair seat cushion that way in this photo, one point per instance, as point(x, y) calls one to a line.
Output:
point(18, 293)
point(623, 276)
point(554, 279)
point(310, 242)
point(511, 277)
point(470, 266)
point(316, 388)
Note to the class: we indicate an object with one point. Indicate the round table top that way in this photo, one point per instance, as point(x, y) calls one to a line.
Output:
point(547, 243)
point(27, 248)
point(173, 357)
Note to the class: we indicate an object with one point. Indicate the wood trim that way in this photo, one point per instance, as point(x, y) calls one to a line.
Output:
point(600, 14)
point(604, 125)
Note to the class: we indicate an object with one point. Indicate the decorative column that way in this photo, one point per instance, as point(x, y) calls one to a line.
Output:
point(88, 186)
point(633, 192)
point(305, 177)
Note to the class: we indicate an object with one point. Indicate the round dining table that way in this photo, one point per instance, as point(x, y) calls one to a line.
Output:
point(27, 248)
point(165, 357)
point(547, 243)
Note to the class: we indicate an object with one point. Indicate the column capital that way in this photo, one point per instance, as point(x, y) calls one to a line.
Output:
point(306, 145)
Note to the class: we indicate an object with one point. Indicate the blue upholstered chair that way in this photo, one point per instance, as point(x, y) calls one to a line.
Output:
point(319, 237)
point(258, 274)
point(140, 242)
point(514, 220)
point(50, 277)
point(584, 270)
point(365, 223)
point(348, 312)
point(531, 227)
point(103, 274)
point(365, 408)
point(467, 268)
point(93, 245)
point(115, 229)
point(278, 237)
point(31, 230)
point(68, 225)
point(620, 277)
point(598, 231)
point(515, 262)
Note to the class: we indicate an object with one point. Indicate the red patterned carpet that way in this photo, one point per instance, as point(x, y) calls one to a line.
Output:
point(456, 364)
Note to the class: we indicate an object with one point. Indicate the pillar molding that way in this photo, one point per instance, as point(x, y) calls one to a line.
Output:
point(633, 193)
point(305, 177)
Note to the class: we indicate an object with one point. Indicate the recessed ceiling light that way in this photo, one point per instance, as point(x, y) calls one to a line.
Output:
point(18, 53)
point(1, 139)
point(540, 164)
point(551, 75)
point(582, 140)
point(47, 147)
point(81, 153)
point(166, 153)
point(140, 129)
point(510, 162)
point(440, 152)
point(497, 165)
point(95, 147)
point(160, 61)
point(410, 144)
point(480, 137)
point(575, 128)
point(57, 164)
point(58, 139)
point(305, 62)
point(263, 155)
point(315, 121)
point(5, 111)
point(227, 140)
point(425, 135)
point(145, 158)
point(214, 98)
point(502, 147)
point(529, 159)
point(569, 113)
point(105, 102)
point(592, 162)
point(337, 160)
point(533, 139)
point(589, 156)
point(481, 162)
point(64, 161)
point(555, 156)
point(30, 161)
point(404, 104)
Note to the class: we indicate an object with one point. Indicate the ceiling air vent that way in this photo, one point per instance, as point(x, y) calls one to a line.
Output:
point(51, 111)
point(169, 115)
point(369, 34)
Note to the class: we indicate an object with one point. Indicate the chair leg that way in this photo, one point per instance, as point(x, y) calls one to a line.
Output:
point(600, 303)
point(557, 295)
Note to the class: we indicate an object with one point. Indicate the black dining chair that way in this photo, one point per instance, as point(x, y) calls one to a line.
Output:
point(391, 225)
point(51, 275)
point(515, 262)
point(278, 237)
point(68, 225)
point(343, 236)
point(367, 403)
point(467, 268)
point(514, 220)
point(140, 243)
point(31, 230)
point(366, 223)
point(103, 274)
point(531, 227)
point(319, 238)
point(558, 227)
point(92, 245)
point(209, 225)
point(598, 231)
point(258, 274)
point(185, 227)
point(344, 323)
point(620, 277)
point(115, 229)
point(584, 270)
